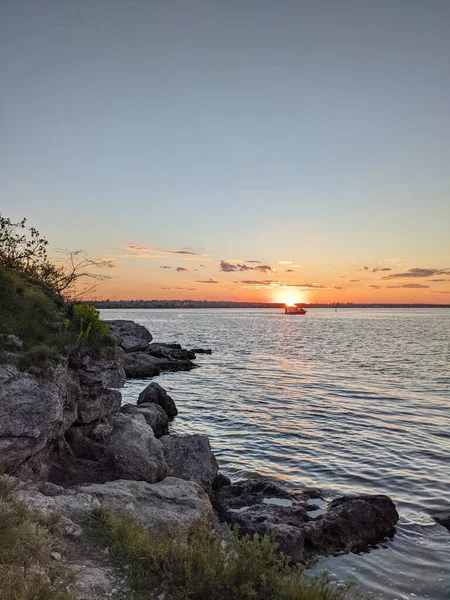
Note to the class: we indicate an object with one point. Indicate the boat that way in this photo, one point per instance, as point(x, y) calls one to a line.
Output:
point(294, 310)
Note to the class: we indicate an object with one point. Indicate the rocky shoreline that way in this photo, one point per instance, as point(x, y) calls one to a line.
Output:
point(72, 446)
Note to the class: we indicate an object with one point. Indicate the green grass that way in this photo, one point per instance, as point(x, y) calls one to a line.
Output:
point(27, 571)
point(48, 328)
point(192, 564)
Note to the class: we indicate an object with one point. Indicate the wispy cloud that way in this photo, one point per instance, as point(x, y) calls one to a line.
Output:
point(164, 267)
point(375, 287)
point(138, 250)
point(354, 280)
point(418, 272)
point(285, 262)
point(259, 282)
point(229, 267)
point(441, 292)
point(411, 286)
point(208, 281)
point(179, 269)
point(375, 269)
point(252, 261)
point(289, 270)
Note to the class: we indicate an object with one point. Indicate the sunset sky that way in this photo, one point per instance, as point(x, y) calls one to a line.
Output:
point(234, 149)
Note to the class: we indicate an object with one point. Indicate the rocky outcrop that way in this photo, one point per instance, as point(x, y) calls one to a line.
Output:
point(139, 365)
point(154, 414)
point(190, 457)
point(348, 524)
point(131, 336)
point(159, 507)
point(32, 412)
point(154, 393)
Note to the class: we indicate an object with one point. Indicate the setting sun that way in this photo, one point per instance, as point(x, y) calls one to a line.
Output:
point(290, 298)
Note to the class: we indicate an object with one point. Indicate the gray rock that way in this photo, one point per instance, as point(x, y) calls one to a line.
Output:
point(201, 350)
point(155, 394)
point(139, 365)
point(131, 336)
point(107, 373)
point(348, 524)
point(443, 518)
point(159, 507)
point(190, 457)
point(134, 451)
point(167, 351)
point(12, 342)
point(31, 413)
point(96, 402)
point(154, 414)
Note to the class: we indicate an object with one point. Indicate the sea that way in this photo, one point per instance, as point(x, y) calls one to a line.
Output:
point(354, 401)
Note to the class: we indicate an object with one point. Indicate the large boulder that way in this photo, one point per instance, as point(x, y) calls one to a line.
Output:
point(303, 530)
point(155, 394)
point(96, 402)
point(134, 451)
point(159, 507)
point(107, 373)
point(131, 336)
point(154, 414)
point(32, 412)
point(190, 457)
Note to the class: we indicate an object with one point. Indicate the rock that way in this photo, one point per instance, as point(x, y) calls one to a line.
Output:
point(134, 451)
point(67, 503)
point(443, 518)
point(107, 373)
point(32, 412)
point(154, 414)
point(139, 365)
point(13, 343)
point(131, 336)
point(190, 457)
point(155, 394)
point(201, 350)
point(220, 481)
point(166, 351)
point(56, 555)
point(348, 524)
point(96, 403)
point(159, 507)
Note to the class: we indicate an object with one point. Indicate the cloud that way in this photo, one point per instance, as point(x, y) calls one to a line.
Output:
point(208, 281)
point(409, 286)
point(111, 265)
point(354, 280)
point(375, 269)
point(338, 287)
point(440, 280)
point(441, 292)
point(375, 287)
point(289, 270)
point(417, 272)
point(138, 250)
point(307, 286)
point(264, 269)
point(285, 262)
point(182, 269)
point(252, 261)
point(258, 282)
point(229, 267)
point(164, 267)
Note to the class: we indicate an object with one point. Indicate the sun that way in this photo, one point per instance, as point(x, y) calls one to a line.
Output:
point(289, 297)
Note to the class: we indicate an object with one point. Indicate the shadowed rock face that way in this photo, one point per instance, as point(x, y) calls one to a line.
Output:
point(190, 457)
point(154, 414)
point(155, 394)
point(348, 524)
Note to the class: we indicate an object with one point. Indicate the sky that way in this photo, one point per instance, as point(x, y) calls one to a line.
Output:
point(267, 150)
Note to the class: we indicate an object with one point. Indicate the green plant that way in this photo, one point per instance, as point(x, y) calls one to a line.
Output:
point(192, 564)
point(27, 571)
point(86, 321)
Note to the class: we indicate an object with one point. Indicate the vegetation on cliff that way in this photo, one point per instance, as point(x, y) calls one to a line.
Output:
point(38, 300)
point(195, 564)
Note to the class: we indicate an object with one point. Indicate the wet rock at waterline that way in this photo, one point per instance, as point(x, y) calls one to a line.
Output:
point(348, 524)
point(155, 394)
point(131, 336)
point(153, 413)
point(443, 518)
point(190, 457)
point(139, 365)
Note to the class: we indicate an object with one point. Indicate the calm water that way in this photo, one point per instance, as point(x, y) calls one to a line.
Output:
point(354, 401)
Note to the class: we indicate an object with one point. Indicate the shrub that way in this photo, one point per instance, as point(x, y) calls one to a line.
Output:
point(27, 571)
point(191, 564)
point(86, 320)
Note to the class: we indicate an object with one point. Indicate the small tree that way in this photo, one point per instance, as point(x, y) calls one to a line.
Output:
point(23, 250)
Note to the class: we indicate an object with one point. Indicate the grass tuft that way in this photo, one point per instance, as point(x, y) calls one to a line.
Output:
point(195, 565)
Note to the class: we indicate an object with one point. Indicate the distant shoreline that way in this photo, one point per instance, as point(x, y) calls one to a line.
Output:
point(181, 304)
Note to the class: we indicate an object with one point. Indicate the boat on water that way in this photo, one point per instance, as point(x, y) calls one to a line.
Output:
point(294, 310)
